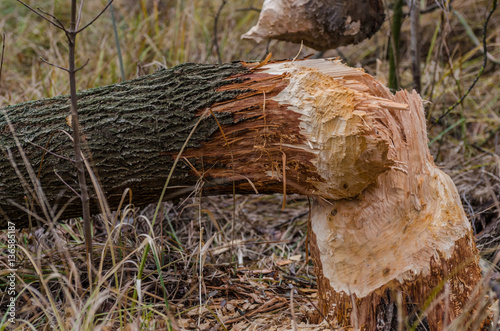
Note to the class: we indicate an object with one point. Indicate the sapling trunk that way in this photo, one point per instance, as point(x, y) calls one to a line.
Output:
point(71, 35)
point(75, 124)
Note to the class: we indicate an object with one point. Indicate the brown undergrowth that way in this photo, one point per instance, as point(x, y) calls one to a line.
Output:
point(211, 280)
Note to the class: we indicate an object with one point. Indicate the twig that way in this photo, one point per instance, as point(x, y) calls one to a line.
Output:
point(81, 67)
point(52, 16)
point(67, 185)
point(317, 309)
point(45, 18)
point(415, 42)
point(274, 303)
point(1, 61)
point(47, 151)
point(480, 73)
point(95, 18)
point(216, 20)
point(54, 65)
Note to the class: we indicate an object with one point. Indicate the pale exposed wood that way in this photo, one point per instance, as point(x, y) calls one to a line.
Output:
point(340, 122)
point(407, 232)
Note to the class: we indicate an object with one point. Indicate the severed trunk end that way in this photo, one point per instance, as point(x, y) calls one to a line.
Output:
point(401, 254)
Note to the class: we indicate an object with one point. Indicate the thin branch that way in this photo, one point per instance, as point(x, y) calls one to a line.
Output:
point(52, 153)
point(54, 65)
point(76, 70)
point(45, 18)
point(61, 25)
point(99, 15)
point(1, 61)
point(483, 67)
point(67, 185)
point(216, 20)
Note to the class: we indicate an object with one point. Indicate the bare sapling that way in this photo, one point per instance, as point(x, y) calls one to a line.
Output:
point(71, 34)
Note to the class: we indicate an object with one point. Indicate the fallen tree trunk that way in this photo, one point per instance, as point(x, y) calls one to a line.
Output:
point(135, 130)
point(385, 221)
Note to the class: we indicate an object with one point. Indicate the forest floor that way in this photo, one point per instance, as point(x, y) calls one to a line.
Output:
point(229, 262)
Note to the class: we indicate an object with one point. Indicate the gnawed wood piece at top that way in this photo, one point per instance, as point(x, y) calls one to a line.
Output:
point(319, 24)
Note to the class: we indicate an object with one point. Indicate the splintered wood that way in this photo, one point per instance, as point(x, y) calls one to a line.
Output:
point(298, 124)
point(407, 232)
point(385, 219)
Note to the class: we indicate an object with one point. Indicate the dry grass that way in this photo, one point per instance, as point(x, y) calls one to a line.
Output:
point(201, 273)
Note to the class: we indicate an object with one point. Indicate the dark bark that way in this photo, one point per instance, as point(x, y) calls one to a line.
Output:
point(132, 129)
point(135, 130)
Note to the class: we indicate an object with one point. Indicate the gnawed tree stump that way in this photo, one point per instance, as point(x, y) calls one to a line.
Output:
point(405, 235)
point(385, 220)
point(320, 24)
